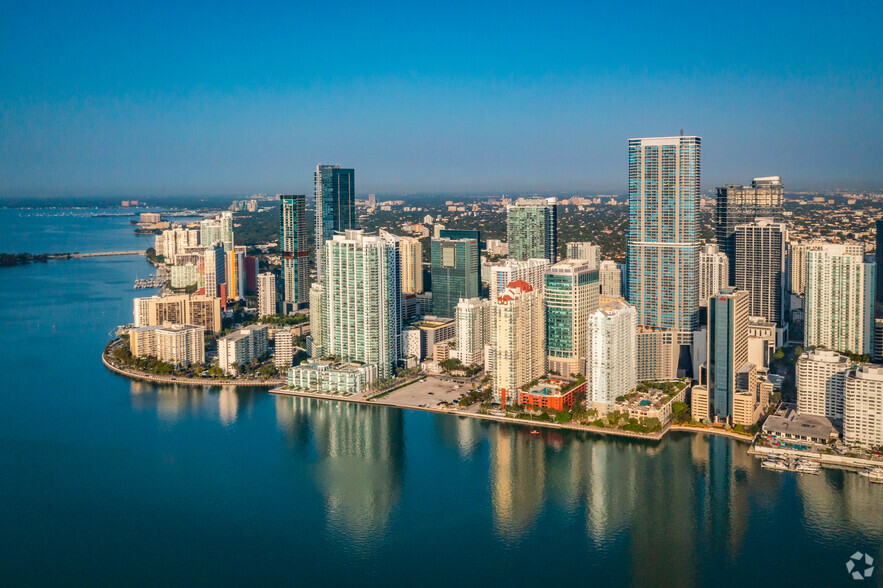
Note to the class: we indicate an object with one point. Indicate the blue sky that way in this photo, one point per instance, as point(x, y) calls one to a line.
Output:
point(226, 98)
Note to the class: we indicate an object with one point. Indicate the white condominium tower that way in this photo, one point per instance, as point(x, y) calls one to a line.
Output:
point(266, 294)
point(227, 230)
point(863, 407)
point(820, 377)
point(532, 271)
point(611, 368)
point(361, 300)
point(839, 308)
point(663, 238)
point(585, 250)
point(570, 296)
point(714, 270)
point(412, 265)
point(520, 340)
point(610, 278)
point(472, 318)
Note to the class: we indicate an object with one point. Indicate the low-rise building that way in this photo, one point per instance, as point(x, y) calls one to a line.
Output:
point(790, 428)
point(553, 393)
point(327, 377)
point(653, 403)
point(699, 404)
point(242, 346)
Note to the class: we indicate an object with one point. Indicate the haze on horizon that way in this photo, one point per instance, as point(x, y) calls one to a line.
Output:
point(159, 98)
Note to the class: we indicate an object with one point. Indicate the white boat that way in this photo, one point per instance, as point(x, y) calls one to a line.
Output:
point(874, 474)
point(775, 464)
point(807, 467)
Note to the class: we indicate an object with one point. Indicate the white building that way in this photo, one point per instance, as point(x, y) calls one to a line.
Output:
point(820, 380)
point(283, 349)
point(332, 378)
point(184, 275)
point(840, 289)
point(520, 341)
point(472, 318)
point(611, 366)
point(610, 278)
point(863, 407)
point(266, 294)
point(714, 269)
point(214, 273)
point(175, 344)
point(242, 346)
point(532, 271)
point(585, 250)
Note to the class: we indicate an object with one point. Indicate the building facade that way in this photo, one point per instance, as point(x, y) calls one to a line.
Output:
point(610, 279)
point(294, 251)
point(266, 294)
point(820, 381)
point(241, 347)
point(727, 348)
point(585, 250)
point(570, 296)
point(532, 229)
point(456, 273)
point(714, 271)
point(612, 364)
point(412, 265)
point(472, 318)
point(760, 267)
point(176, 344)
point(863, 407)
point(335, 191)
point(520, 342)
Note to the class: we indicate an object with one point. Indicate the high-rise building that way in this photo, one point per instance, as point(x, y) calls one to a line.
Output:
point(235, 274)
point(455, 273)
point(214, 268)
point(878, 299)
point(714, 271)
point(862, 413)
point(610, 278)
point(283, 349)
point(175, 344)
point(532, 228)
point(204, 311)
point(585, 250)
point(797, 261)
point(412, 265)
point(571, 295)
point(519, 342)
point(266, 294)
point(727, 347)
point(316, 339)
point(242, 346)
point(502, 273)
point(361, 299)
point(335, 207)
point(840, 291)
point(472, 318)
point(209, 232)
point(738, 205)
point(760, 267)
point(611, 367)
point(227, 231)
point(663, 239)
point(820, 380)
point(295, 254)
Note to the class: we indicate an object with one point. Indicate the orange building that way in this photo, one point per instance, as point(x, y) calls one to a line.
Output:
point(548, 394)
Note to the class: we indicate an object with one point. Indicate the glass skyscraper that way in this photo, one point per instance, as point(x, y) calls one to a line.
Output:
point(532, 227)
point(727, 347)
point(456, 273)
point(295, 255)
point(335, 190)
point(663, 239)
point(571, 295)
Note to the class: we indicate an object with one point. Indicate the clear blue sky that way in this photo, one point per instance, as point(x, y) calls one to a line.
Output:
point(226, 98)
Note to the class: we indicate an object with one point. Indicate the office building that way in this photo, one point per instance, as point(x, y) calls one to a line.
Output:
point(532, 228)
point(761, 342)
point(714, 271)
point(176, 344)
point(472, 325)
point(840, 291)
point(863, 407)
point(570, 296)
point(335, 191)
point(611, 367)
point(214, 269)
point(820, 379)
point(585, 250)
point(295, 253)
point(738, 205)
point(520, 340)
point(455, 273)
point(610, 278)
point(760, 267)
point(241, 347)
point(412, 265)
point(727, 348)
point(663, 238)
point(266, 294)
point(283, 349)
point(361, 300)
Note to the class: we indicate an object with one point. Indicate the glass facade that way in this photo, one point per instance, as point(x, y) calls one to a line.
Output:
point(295, 255)
point(532, 229)
point(456, 274)
point(335, 190)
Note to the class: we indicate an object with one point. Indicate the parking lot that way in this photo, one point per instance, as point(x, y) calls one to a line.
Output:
point(427, 393)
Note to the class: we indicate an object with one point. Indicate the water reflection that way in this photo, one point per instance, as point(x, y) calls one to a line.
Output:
point(177, 402)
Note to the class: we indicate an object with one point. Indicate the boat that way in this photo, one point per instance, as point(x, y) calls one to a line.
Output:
point(775, 464)
point(805, 466)
point(873, 474)
point(534, 432)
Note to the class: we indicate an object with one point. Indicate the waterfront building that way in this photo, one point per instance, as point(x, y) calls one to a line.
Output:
point(746, 409)
point(610, 279)
point(570, 296)
point(863, 407)
point(552, 393)
point(316, 340)
point(727, 348)
point(283, 349)
point(760, 267)
point(361, 300)
point(184, 275)
point(412, 265)
point(431, 331)
point(585, 250)
point(193, 309)
point(700, 405)
point(820, 380)
point(266, 294)
point(242, 346)
point(840, 291)
point(659, 353)
point(335, 191)
point(737, 205)
point(295, 253)
point(714, 271)
point(141, 312)
point(455, 273)
point(149, 218)
point(663, 238)
point(612, 364)
point(176, 344)
point(878, 298)
point(172, 242)
point(519, 352)
point(329, 377)
point(214, 269)
point(532, 228)
point(472, 325)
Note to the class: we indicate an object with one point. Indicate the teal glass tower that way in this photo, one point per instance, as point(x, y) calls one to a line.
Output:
point(663, 238)
point(532, 230)
point(295, 255)
point(335, 190)
point(455, 273)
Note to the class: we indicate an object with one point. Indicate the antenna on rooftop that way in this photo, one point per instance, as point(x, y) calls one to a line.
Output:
point(682, 132)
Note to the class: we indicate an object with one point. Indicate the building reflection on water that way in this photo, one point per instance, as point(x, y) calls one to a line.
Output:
point(173, 402)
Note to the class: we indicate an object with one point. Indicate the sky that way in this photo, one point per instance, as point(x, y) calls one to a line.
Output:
point(204, 98)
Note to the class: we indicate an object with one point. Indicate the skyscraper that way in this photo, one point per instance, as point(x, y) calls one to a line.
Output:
point(227, 230)
point(532, 227)
point(520, 340)
point(878, 299)
point(532, 271)
point(472, 317)
point(455, 273)
point(714, 271)
point(585, 250)
point(335, 190)
point(266, 294)
point(663, 244)
point(727, 347)
point(295, 254)
point(214, 268)
point(738, 205)
point(235, 274)
point(611, 367)
point(840, 292)
point(412, 265)
point(361, 300)
point(570, 296)
point(610, 278)
point(760, 267)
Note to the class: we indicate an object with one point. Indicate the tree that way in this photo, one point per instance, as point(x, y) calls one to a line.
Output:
point(563, 417)
point(779, 354)
point(268, 370)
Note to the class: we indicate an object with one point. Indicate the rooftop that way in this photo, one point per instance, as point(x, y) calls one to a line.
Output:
point(787, 421)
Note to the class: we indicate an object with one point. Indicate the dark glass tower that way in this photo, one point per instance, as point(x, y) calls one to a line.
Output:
point(295, 255)
point(455, 274)
point(335, 206)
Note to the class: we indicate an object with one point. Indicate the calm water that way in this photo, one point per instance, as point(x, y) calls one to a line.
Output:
point(103, 480)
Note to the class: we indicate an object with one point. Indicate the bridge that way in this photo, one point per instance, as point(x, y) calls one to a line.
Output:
point(108, 253)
